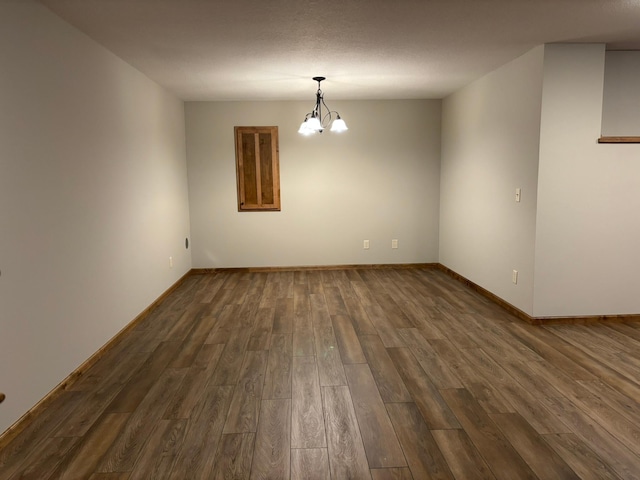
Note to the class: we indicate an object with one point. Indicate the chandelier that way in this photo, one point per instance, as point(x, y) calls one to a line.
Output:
point(315, 121)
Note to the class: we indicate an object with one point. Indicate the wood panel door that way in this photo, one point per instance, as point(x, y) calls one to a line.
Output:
point(258, 168)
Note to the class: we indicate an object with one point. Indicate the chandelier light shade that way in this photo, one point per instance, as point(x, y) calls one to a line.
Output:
point(316, 120)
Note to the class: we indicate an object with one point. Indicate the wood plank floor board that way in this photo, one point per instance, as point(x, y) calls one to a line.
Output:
point(435, 368)
point(303, 342)
point(527, 376)
point(247, 312)
point(454, 329)
point(272, 454)
point(330, 365)
point(335, 304)
point(624, 430)
point(188, 394)
point(420, 449)
point(301, 306)
point(500, 455)
point(358, 315)
point(341, 280)
point(424, 393)
point(628, 330)
point(315, 282)
point(600, 347)
point(139, 384)
point(85, 456)
point(50, 453)
point(234, 457)
point(532, 447)
point(604, 404)
point(111, 368)
point(310, 464)
point(387, 333)
point(603, 372)
point(190, 347)
point(241, 290)
point(246, 373)
point(522, 400)
point(224, 326)
point(605, 445)
point(461, 455)
point(110, 476)
point(398, 289)
point(245, 404)
point(348, 343)
point(257, 283)
point(283, 317)
point(363, 293)
point(277, 383)
point(285, 282)
point(391, 474)
point(229, 366)
point(487, 395)
point(320, 316)
point(530, 336)
point(28, 441)
point(347, 458)
point(194, 383)
point(420, 320)
point(605, 338)
point(307, 418)
point(394, 314)
point(584, 461)
point(378, 436)
point(160, 453)
point(261, 330)
point(88, 410)
point(497, 341)
point(300, 278)
point(207, 288)
point(390, 385)
point(203, 434)
point(269, 294)
point(125, 450)
point(179, 330)
point(627, 406)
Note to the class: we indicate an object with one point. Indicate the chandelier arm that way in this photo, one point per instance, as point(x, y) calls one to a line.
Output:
point(325, 122)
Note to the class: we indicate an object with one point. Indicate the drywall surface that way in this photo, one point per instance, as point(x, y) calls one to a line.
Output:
point(588, 226)
point(490, 140)
point(93, 200)
point(621, 102)
point(377, 181)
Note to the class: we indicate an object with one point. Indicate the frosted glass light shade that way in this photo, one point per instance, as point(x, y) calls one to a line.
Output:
point(338, 125)
point(304, 129)
point(314, 124)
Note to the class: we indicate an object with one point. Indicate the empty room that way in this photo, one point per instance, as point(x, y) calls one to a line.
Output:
point(319, 240)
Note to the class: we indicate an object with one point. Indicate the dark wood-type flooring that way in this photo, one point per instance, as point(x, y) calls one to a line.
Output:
point(344, 374)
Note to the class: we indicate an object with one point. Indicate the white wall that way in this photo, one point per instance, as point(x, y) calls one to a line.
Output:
point(588, 220)
point(93, 200)
point(489, 148)
point(378, 181)
point(621, 102)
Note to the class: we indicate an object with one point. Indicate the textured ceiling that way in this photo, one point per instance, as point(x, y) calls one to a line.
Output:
point(367, 49)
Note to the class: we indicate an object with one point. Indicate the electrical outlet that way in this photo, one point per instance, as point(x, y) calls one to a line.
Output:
point(170, 262)
point(514, 276)
point(365, 244)
point(394, 243)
